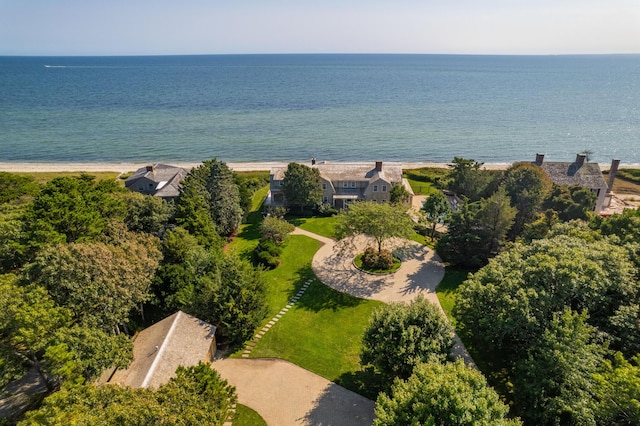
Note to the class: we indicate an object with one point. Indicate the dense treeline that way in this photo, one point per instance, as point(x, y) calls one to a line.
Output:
point(557, 322)
point(86, 263)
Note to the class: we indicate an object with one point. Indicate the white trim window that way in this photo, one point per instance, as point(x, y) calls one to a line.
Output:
point(375, 188)
point(384, 188)
point(324, 186)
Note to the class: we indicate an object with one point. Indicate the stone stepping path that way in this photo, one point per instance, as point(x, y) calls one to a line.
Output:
point(252, 343)
point(232, 414)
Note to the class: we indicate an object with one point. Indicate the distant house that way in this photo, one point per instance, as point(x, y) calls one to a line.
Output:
point(344, 183)
point(157, 179)
point(580, 173)
point(179, 339)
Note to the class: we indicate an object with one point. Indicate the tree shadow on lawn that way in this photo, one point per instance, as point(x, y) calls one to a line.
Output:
point(320, 297)
point(363, 382)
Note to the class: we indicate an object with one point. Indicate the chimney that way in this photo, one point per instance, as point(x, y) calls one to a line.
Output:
point(379, 166)
point(313, 161)
point(580, 159)
point(539, 159)
point(150, 168)
point(613, 171)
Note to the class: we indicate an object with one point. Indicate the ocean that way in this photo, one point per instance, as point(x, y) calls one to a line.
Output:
point(243, 108)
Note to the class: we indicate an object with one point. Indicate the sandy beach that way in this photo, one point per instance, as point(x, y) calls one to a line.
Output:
point(130, 167)
point(239, 167)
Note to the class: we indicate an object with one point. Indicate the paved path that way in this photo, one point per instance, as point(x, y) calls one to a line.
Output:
point(285, 394)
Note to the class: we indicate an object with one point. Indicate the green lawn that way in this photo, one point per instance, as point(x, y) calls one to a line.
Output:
point(249, 232)
point(324, 226)
point(447, 289)
point(245, 416)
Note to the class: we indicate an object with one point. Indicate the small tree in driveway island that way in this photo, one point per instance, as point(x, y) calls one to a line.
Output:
point(435, 209)
point(378, 221)
point(301, 186)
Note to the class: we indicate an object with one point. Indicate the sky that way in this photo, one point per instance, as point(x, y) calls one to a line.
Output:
point(160, 27)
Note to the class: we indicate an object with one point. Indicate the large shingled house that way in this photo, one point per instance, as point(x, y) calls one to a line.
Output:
point(580, 173)
point(157, 179)
point(344, 183)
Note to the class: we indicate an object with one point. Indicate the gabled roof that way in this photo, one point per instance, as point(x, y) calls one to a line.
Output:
point(179, 339)
point(587, 175)
point(166, 177)
point(350, 171)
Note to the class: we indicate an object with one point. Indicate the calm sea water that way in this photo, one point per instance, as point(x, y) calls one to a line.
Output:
point(334, 107)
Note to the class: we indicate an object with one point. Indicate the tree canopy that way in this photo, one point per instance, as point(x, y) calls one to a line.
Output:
point(379, 221)
point(401, 336)
point(301, 186)
point(448, 394)
point(196, 396)
point(436, 208)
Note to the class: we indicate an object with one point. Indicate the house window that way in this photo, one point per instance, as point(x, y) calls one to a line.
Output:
point(345, 184)
point(325, 199)
point(281, 183)
point(150, 185)
point(324, 185)
point(384, 188)
point(375, 188)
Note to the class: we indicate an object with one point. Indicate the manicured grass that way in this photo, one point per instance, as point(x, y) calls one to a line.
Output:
point(422, 180)
point(284, 281)
point(245, 416)
point(447, 289)
point(249, 232)
point(324, 226)
point(323, 333)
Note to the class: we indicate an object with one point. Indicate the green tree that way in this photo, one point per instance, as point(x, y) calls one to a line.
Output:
point(146, 213)
point(275, 230)
point(463, 244)
point(399, 195)
point(217, 287)
point(507, 305)
point(101, 282)
point(216, 183)
point(446, 395)
point(301, 186)
point(13, 250)
point(436, 208)
point(617, 391)
point(527, 185)
point(35, 332)
point(193, 214)
point(541, 226)
point(378, 221)
point(572, 202)
point(467, 179)
point(495, 218)
point(196, 396)
point(70, 209)
point(554, 384)
point(13, 186)
point(401, 336)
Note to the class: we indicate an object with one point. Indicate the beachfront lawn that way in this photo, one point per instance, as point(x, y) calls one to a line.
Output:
point(424, 181)
point(249, 233)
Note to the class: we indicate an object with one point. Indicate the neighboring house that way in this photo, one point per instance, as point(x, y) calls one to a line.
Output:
point(580, 173)
point(179, 339)
point(344, 183)
point(157, 179)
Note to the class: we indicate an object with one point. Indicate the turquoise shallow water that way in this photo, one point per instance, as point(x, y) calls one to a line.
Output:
point(410, 108)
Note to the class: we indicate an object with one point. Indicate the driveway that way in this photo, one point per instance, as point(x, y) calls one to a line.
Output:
point(285, 394)
point(420, 273)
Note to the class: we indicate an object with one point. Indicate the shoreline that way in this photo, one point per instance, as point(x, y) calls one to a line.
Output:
point(43, 167)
